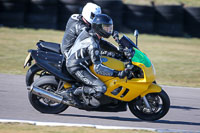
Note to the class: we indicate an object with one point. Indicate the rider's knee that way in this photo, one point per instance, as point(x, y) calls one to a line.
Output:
point(101, 89)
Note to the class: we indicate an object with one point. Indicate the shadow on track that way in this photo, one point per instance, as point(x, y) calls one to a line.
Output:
point(102, 117)
point(133, 119)
point(184, 107)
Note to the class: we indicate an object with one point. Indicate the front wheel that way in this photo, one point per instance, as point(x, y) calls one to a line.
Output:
point(44, 105)
point(159, 103)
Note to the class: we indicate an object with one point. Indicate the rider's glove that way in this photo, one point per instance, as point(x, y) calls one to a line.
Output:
point(115, 36)
point(127, 53)
point(111, 54)
point(121, 49)
point(121, 74)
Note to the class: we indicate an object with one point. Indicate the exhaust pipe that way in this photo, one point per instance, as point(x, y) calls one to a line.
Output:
point(46, 94)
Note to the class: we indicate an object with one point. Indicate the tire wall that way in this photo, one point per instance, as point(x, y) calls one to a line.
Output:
point(41, 14)
point(192, 21)
point(12, 13)
point(114, 9)
point(139, 17)
point(171, 20)
point(65, 9)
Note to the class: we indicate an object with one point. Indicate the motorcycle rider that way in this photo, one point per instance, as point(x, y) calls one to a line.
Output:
point(85, 52)
point(79, 22)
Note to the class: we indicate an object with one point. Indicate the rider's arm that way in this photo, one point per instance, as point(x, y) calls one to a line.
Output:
point(80, 26)
point(99, 68)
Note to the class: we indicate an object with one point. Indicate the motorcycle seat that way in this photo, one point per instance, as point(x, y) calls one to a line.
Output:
point(49, 46)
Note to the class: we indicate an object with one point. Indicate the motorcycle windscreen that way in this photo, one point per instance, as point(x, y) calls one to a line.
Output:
point(141, 60)
point(125, 41)
point(140, 57)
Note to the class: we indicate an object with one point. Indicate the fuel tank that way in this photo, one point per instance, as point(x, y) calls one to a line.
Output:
point(111, 63)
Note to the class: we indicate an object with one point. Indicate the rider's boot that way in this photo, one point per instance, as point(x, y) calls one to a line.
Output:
point(94, 96)
point(70, 98)
point(78, 91)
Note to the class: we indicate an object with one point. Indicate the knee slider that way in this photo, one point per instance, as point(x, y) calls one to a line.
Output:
point(98, 95)
point(101, 89)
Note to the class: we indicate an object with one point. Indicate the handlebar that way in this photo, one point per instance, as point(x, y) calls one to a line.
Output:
point(115, 35)
point(129, 66)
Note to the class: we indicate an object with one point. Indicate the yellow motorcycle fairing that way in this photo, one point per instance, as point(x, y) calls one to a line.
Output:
point(130, 89)
point(67, 85)
point(153, 88)
point(149, 74)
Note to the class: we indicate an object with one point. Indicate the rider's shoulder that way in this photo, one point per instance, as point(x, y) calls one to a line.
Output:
point(92, 42)
point(75, 16)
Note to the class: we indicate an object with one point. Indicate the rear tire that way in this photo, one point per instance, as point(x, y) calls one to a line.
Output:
point(32, 74)
point(44, 105)
point(137, 106)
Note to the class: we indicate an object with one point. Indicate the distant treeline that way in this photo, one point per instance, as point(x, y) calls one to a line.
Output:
point(172, 20)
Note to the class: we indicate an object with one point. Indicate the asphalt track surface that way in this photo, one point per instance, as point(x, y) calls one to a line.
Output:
point(184, 113)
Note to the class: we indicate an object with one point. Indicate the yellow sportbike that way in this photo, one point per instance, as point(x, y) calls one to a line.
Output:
point(138, 91)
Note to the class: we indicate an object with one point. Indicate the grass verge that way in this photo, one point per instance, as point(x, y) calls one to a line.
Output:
point(26, 128)
point(176, 60)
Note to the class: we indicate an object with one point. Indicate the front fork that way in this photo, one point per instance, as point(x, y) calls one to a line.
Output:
point(147, 103)
point(153, 88)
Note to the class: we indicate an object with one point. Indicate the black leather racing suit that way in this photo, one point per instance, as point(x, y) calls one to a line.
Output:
point(84, 52)
point(74, 27)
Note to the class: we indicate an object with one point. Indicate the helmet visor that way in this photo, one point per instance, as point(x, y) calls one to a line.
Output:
point(108, 28)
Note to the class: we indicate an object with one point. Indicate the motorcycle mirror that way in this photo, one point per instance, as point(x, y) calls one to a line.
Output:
point(136, 34)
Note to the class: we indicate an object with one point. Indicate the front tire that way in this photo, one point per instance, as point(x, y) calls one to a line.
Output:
point(44, 105)
point(159, 103)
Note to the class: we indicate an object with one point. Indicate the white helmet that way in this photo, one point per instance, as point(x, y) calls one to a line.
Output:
point(90, 10)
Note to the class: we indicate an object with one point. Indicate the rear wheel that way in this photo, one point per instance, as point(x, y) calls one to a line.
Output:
point(159, 103)
point(33, 73)
point(45, 105)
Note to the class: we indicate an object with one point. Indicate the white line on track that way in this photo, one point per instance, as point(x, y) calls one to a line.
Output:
point(37, 123)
